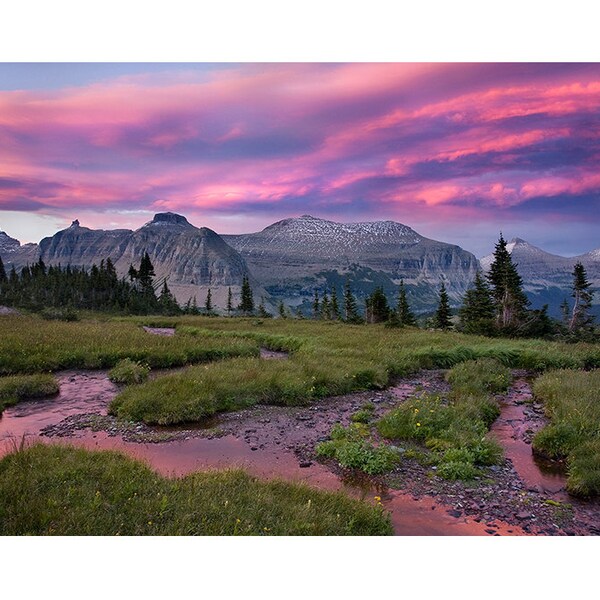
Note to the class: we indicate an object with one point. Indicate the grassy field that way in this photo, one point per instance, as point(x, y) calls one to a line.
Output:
point(327, 358)
point(572, 402)
point(29, 344)
point(56, 490)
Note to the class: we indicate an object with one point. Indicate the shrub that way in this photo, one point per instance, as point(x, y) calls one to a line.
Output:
point(457, 470)
point(351, 448)
point(557, 440)
point(129, 372)
point(59, 314)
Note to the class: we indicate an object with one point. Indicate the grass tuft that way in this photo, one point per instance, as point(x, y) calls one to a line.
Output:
point(15, 388)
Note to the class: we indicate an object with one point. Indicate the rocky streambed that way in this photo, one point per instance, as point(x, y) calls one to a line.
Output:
point(517, 497)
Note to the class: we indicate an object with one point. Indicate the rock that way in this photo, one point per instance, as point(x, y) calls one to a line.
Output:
point(305, 464)
point(523, 516)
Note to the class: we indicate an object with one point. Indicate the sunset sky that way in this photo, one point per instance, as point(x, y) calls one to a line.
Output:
point(456, 151)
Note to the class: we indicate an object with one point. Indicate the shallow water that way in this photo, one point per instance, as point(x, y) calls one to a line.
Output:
point(509, 430)
point(91, 392)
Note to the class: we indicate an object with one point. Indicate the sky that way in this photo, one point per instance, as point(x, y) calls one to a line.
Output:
point(459, 152)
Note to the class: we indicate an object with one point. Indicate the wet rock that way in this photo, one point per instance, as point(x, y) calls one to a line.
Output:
point(524, 515)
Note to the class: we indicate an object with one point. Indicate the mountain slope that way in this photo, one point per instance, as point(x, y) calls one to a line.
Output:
point(191, 258)
point(292, 257)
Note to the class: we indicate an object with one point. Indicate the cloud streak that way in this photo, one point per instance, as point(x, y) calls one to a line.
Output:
point(432, 144)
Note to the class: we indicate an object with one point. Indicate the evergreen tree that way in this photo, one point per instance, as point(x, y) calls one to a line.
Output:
point(377, 308)
point(281, 309)
point(316, 306)
point(166, 301)
point(404, 315)
point(262, 311)
point(510, 301)
point(3, 276)
point(247, 299)
point(146, 273)
point(477, 312)
point(442, 314)
point(194, 308)
point(350, 310)
point(334, 305)
point(208, 305)
point(133, 274)
point(229, 302)
point(581, 317)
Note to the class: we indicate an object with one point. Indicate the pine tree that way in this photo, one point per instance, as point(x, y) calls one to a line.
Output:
point(581, 317)
point(335, 306)
point(229, 302)
point(281, 309)
point(262, 311)
point(442, 314)
point(404, 315)
point(247, 299)
point(350, 310)
point(477, 312)
point(510, 301)
point(316, 306)
point(208, 305)
point(377, 308)
point(166, 301)
point(3, 276)
point(146, 273)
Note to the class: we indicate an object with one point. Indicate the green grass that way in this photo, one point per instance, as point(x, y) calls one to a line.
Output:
point(326, 358)
point(129, 372)
point(455, 428)
point(57, 490)
point(29, 344)
point(353, 449)
point(15, 388)
point(572, 402)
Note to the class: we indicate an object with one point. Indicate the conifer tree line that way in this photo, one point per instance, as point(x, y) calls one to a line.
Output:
point(495, 304)
point(38, 287)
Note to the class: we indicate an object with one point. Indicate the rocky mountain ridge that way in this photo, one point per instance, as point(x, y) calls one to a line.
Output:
point(291, 258)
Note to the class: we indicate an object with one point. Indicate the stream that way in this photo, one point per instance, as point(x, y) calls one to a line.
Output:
point(277, 442)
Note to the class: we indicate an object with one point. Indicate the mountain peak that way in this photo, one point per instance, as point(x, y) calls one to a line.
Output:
point(169, 218)
point(75, 223)
point(520, 241)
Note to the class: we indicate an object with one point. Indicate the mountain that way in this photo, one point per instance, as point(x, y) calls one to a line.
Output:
point(191, 258)
point(293, 257)
point(547, 278)
point(13, 253)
